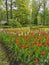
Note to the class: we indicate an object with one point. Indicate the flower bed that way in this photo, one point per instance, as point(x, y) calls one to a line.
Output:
point(32, 49)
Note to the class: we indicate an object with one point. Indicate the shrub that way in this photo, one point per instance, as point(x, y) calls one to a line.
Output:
point(14, 23)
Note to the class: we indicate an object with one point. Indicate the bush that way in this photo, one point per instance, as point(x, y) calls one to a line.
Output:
point(14, 23)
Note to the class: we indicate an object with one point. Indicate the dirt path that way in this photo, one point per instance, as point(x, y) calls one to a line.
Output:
point(7, 56)
point(3, 59)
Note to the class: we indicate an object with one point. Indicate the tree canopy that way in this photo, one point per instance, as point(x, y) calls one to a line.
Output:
point(25, 12)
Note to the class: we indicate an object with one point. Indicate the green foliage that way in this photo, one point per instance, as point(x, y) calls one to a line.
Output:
point(27, 12)
point(23, 11)
point(27, 49)
point(1, 2)
point(14, 23)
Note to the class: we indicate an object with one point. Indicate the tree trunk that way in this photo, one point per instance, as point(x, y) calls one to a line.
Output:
point(11, 9)
point(44, 22)
point(35, 21)
point(7, 10)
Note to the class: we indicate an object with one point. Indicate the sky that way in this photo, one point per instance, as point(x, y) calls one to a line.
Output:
point(16, 7)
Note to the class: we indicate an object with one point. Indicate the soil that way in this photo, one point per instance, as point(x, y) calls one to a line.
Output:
point(3, 59)
point(7, 56)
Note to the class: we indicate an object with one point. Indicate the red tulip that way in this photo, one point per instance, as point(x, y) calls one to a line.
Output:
point(48, 43)
point(24, 46)
point(43, 53)
point(32, 34)
point(39, 33)
point(46, 34)
point(36, 42)
point(36, 60)
point(31, 47)
point(30, 54)
point(41, 38)
point(36, 37)
point(25, 38)
point(16, 39)
point(39, 45)
point(32, 43)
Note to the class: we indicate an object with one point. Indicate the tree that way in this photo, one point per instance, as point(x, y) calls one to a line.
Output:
point(44, 12)
point(26, 12)
point(11, 9)
point(36, 4)
point(22, 11)
point(1, 2)
point(7, 10)
point(2, 10)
